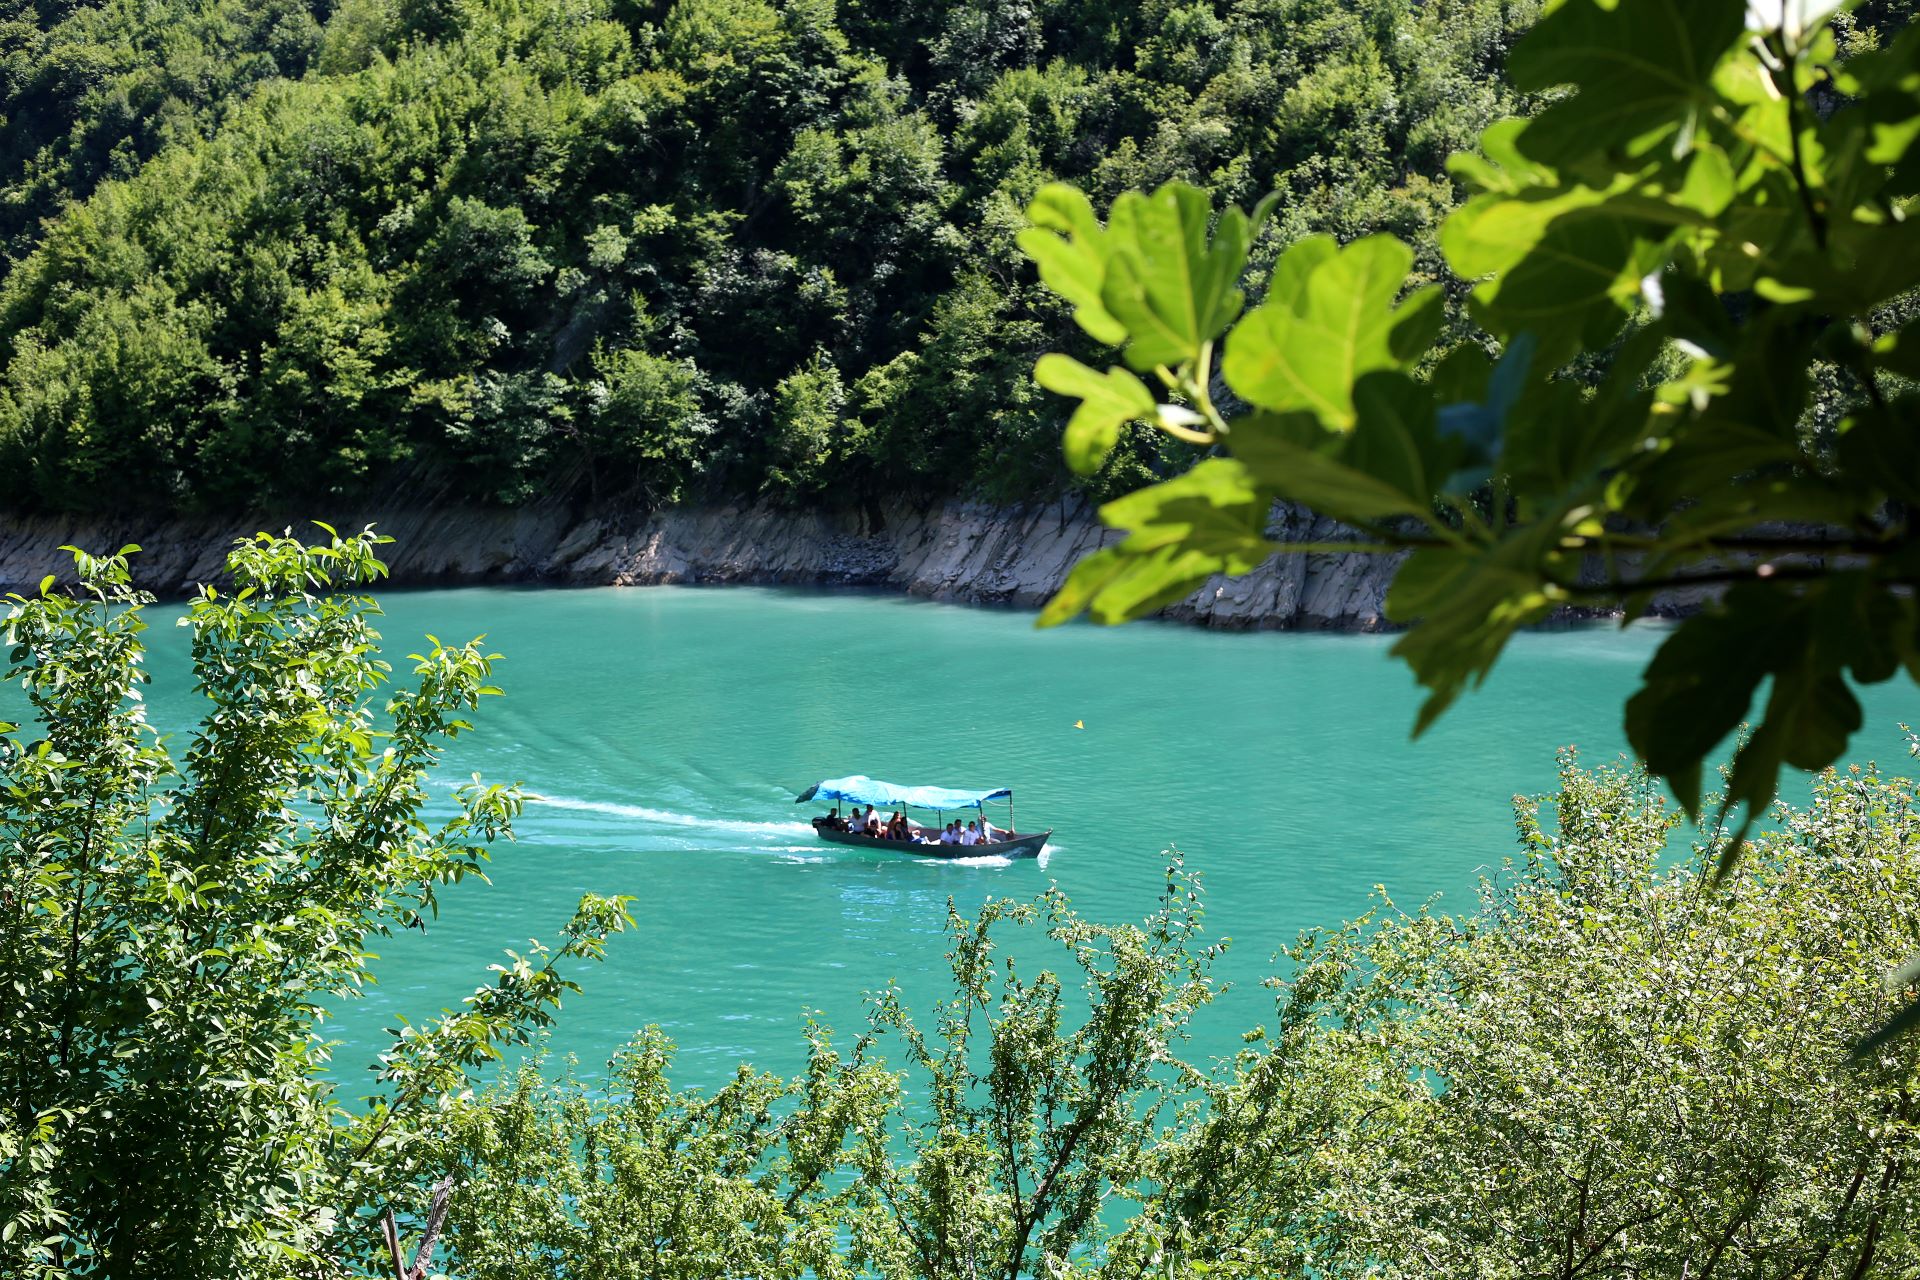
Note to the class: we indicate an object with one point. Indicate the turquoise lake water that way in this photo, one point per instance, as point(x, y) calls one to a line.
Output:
point(670, 728)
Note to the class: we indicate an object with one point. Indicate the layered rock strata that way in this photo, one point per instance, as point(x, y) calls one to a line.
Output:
point(959, 551)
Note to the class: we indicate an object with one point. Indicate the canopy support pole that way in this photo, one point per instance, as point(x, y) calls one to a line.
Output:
point(1013, 828)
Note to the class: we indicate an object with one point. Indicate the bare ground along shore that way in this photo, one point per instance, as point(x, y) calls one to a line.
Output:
point(967, 552)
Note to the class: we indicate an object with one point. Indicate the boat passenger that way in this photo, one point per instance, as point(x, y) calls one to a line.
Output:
point(971, 836)
point(950, 834)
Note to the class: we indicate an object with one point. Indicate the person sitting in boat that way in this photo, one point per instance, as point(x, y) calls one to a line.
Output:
point(835, 821)
point(971, 836)
point(950, 834)
point(897, 828)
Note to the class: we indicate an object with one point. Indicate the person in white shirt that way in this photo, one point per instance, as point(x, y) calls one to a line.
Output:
point(950, 834)
point(971, 836)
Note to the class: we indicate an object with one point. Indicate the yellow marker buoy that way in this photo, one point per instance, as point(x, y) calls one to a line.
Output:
point(1079, 724)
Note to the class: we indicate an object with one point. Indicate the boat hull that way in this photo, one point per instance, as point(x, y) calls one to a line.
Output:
point(1020, 846)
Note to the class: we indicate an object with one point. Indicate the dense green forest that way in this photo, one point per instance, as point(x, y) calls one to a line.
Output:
point(272, 254)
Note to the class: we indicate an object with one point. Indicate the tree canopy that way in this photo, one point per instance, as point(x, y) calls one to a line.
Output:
point(273, 255)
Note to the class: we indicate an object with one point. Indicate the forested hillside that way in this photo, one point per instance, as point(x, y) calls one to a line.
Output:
point(272, 254)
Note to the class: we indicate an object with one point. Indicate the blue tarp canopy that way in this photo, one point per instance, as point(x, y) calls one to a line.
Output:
point(887, 795)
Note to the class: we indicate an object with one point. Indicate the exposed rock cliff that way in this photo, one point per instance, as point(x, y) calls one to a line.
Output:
point(954, 551)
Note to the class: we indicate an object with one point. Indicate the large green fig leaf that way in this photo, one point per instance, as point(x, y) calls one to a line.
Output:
point(1332, 320)
point(1108, 401)
point(1641, 71)
point(1180, 532)
point(1068, 244)
point(1152, 281)
point(1173, 289)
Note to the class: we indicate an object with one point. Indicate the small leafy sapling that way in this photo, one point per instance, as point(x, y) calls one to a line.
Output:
point(178, 914)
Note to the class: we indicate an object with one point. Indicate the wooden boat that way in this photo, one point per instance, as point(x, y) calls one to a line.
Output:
point(1017, 844)
point(886, 796)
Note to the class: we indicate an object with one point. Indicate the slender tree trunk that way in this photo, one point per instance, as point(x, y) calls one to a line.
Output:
point(73, 935)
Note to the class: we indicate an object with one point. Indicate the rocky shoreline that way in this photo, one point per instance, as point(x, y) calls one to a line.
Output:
point(965, 552)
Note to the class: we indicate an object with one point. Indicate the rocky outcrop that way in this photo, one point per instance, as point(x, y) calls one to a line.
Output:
point(960, 551)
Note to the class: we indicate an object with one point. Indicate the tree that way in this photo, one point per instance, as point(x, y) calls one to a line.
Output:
point(1008, 1124)
point(650, 419)
point(175, 917)
point(1603, 1070)
point(285, 260)
point(1598, 1069)
point(1704, 214)
point(811, 431)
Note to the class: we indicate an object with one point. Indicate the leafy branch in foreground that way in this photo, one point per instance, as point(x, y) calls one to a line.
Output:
point(1598, 1070)
point(1706, 212)
point(173, 920)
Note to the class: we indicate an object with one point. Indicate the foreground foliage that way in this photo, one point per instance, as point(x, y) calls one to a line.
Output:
point(1603, 1070)
point(175, 913)
point(1699, 263)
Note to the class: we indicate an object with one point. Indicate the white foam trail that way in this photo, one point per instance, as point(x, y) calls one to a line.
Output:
point(666, 817)
point(985, 860)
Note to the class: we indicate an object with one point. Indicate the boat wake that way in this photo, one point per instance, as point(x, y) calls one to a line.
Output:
point(763, 837)
point(984, 860)
point(667, 817)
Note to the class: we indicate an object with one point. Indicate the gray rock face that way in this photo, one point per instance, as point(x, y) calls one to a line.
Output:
point(959, 551)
